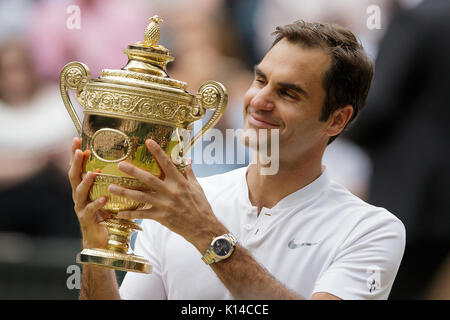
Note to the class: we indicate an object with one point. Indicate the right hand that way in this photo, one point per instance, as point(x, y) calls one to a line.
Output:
point(88, 213)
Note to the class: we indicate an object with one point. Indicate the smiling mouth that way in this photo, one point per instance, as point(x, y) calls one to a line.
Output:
point(261, 123)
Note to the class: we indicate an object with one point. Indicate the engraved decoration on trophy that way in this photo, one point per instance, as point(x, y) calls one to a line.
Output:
point(122, 109)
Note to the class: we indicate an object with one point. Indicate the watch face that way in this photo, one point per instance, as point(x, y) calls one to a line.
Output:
point(221, 247)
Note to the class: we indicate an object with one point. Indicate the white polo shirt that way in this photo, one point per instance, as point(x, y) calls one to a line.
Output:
point(320, 238)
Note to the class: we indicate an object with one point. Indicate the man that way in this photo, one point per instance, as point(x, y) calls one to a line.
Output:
point(299, 235)
point(410, 110)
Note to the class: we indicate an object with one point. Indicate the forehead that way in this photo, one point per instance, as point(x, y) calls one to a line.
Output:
point(295, 63)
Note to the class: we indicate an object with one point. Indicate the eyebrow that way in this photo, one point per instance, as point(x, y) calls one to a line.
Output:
point(285, 85)
point(258, 71)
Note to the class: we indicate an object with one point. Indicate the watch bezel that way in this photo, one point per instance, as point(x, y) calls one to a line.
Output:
point(230, 250)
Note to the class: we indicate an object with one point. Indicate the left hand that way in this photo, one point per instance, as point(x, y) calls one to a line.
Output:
point(178, 201)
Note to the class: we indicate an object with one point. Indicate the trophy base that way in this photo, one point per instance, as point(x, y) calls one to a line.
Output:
point(114, 260)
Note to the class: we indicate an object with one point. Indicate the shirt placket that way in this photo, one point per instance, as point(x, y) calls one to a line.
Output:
point(249, 222)
point(254, 224)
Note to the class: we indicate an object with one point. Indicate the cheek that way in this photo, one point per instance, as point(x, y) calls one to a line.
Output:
point(298, 126)
point(249, 95)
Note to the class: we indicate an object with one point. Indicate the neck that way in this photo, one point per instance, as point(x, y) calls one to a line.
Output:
point(268, 190)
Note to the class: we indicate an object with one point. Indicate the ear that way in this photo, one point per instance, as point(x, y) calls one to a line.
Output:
point(338, 120)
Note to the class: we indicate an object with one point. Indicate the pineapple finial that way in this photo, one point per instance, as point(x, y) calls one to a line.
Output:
point(152, 32)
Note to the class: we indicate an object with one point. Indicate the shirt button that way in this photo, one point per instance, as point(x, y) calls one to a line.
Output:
point(248, 226)
point(249, 212)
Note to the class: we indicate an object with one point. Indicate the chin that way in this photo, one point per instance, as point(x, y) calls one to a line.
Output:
point(253, 138)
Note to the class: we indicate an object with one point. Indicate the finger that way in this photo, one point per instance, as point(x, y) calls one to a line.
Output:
point(163, 160)
point(153, 213)
point(190, 176)
point(101, 216)
point(76, 144)
point(136, 195)
point(189, 173)
point(143, 176)
point(75, 169)
point(94, 206)
point(86, 155)
point(82, 190)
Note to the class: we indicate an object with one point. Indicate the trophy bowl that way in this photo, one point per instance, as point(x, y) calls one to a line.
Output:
point(121, 110)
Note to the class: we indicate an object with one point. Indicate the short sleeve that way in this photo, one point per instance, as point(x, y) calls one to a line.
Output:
point(139, 286)
point(367, 262)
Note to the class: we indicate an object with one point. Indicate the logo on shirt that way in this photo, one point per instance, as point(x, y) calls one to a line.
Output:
point(293, 245)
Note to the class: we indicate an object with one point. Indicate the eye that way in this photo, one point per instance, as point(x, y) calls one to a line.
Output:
point(260, 81)
point(288, 94)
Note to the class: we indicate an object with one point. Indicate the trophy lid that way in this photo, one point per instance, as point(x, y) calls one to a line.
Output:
point(142, 89)
point(147, 61)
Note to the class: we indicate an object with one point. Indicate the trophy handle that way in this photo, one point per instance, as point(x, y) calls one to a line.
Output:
point(73, 76)
point(210, 95)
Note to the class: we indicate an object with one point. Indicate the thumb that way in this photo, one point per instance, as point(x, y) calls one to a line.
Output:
point(188, 172)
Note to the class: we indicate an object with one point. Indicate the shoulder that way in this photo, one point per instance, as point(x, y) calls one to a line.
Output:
point(368, 243)
point(364, 219)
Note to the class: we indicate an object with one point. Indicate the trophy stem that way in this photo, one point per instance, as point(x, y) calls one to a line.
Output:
point(117, 254)
point(119, 234)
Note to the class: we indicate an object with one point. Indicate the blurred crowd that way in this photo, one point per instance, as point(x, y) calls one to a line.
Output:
point(396, 156)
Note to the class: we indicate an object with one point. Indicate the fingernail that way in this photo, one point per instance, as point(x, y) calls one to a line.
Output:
point(150, 142)
point(112, 188)
point(122, 165)
point(102, 199)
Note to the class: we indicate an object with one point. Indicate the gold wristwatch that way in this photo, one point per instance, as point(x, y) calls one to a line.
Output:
point(220, 248)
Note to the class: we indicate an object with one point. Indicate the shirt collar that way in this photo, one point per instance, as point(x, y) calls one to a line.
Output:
point(294, 199)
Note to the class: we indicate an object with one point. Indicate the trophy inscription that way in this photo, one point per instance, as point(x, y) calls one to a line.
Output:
point(122, 109)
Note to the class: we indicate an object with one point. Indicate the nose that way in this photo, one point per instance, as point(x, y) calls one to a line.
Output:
point(262, 100)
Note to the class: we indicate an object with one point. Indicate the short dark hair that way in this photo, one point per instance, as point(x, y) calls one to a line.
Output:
point(347, 81)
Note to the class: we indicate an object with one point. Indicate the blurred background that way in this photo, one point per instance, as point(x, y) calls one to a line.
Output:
point(397, 154)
